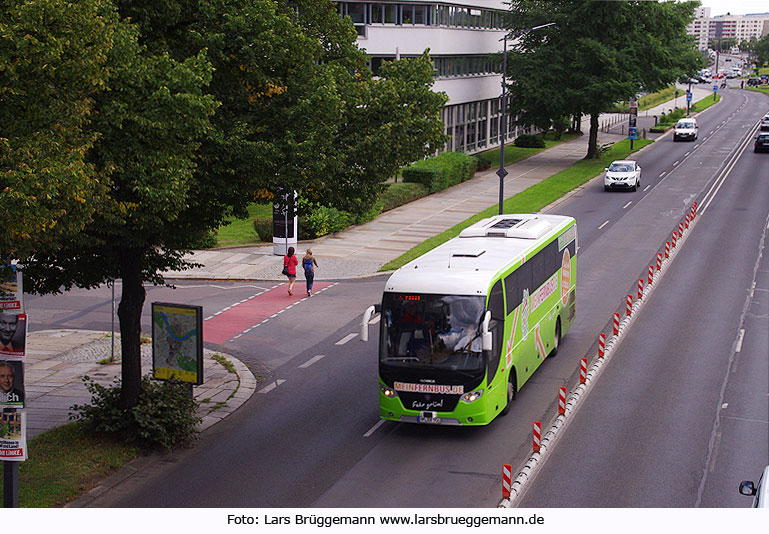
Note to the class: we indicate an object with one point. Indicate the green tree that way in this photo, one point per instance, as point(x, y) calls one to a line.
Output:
point(211, 102)
point(761, 51)
point(53, 62)
point(146, 122)
point(597, 53)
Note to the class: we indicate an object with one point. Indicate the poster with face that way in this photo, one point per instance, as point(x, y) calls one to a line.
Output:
point(13, 335)
point(11, 384)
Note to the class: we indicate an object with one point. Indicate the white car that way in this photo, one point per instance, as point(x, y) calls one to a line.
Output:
point(686, 129)
point(765, 123)
point(622, 174)
point(759, 492)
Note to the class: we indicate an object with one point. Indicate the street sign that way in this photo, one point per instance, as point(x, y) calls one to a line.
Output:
point(632, 133)
point(688, 96)
point(715, 88)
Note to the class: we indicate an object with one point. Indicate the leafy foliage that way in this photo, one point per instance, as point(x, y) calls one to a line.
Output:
point(530, 141)
point(179, 114)
point(441, 171)
point(596, 54)
point(163, 418)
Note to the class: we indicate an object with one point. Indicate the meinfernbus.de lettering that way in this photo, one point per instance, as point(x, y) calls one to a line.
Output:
point(466, 325)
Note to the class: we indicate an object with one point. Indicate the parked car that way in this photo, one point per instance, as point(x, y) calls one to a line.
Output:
point(759, 492)
point(686, 129)
point(754, 81)
point(622, 174)
point(762, 143)
point(765, 123)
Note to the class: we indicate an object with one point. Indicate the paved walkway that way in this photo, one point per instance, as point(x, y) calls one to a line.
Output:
point(58, 359)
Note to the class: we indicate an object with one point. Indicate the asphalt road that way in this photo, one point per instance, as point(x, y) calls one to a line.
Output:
point(681, 413)
point(312, 436)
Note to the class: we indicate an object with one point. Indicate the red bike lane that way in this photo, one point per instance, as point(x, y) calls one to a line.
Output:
point(240, 317)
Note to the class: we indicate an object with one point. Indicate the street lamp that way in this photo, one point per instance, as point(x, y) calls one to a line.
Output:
point(503, 123)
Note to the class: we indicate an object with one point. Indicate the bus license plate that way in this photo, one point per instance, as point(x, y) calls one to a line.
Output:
point(429, 418)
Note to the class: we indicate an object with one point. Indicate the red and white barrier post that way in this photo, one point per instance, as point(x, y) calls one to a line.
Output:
point(675, 239)
point(562, 401)
point(615, 330)
point(583, 370)
point(659, 261)
point(694, 209)
point(667, 249)
point(601, 344)
point(640, 288)
point(629, 306)
point(507, 480)
point(681, 229)
point(650, 278)
point(536, 435)
point(687, 220)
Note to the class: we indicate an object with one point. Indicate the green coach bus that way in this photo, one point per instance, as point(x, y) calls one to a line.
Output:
point(464, 326)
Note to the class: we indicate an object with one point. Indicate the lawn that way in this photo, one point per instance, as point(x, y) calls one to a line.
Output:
point(532, 199)
point(239, 232)
point(514, 153)
point(66, 462)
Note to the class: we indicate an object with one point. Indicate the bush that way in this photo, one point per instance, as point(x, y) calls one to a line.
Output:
point(263, 228)
point(442, 171)
point(321, 220)
point(165, 416)
point(401, 193)
point(206, 240)
point(530, 141)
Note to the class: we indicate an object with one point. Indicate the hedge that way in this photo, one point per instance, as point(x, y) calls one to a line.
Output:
point(530, 141)
point(441, 171)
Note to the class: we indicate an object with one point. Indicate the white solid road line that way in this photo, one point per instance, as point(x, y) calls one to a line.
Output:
point(647, 188)
point(626, 205)
point(346, 338)
point(312, 360)
point(663, 174)
point(604, 224)
point(373, 428)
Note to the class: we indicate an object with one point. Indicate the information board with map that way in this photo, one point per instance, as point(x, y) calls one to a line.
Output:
point(177, 342)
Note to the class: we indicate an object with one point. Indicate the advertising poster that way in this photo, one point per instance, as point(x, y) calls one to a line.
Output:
point(11, 289)
point(13, 335)
point(177, 342)
point(11, 384)
point(13, 436)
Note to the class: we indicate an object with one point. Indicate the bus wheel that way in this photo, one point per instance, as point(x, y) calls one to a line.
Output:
point(556, 339)
point(512, 390)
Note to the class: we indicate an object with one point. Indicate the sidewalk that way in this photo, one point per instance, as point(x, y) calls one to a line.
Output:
point(58, 359)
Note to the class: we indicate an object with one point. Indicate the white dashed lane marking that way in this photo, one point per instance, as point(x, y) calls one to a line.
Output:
point(346, 338)
point(270, 387)
point(312, 360)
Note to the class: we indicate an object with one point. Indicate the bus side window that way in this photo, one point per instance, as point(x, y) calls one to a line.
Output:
point(497, 308)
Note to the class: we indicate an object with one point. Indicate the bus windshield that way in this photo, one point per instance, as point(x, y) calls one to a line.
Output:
point(431, 331)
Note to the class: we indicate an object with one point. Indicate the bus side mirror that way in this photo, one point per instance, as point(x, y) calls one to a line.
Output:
point(486, 338)
point(371, 310)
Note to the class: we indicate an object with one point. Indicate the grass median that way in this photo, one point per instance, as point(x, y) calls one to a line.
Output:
point(532, 199)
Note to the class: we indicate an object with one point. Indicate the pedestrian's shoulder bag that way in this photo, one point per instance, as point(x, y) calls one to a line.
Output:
point(285, 266)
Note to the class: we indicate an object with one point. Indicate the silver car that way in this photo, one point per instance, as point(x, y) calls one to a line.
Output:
point(622, 174)
point(759, 492)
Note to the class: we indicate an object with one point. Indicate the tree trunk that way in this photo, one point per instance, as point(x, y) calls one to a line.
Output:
point(592, 144)
point(130, 314)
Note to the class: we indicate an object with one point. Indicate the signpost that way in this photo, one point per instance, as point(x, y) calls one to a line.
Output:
point(715, 91)
point(632, 130)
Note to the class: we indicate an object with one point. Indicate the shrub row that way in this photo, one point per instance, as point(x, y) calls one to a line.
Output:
point(442, 171)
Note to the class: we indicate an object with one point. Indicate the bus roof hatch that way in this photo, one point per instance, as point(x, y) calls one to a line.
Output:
point(516, 226)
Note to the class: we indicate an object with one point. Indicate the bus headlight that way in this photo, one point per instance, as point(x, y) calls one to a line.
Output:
point(388, 392)
point(472, 396)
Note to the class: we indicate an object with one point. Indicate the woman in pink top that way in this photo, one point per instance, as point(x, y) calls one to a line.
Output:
point(290, 262)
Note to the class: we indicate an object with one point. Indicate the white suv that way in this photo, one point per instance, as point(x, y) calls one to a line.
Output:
point(765, 123)
point(686, 129)
point(622, 174)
